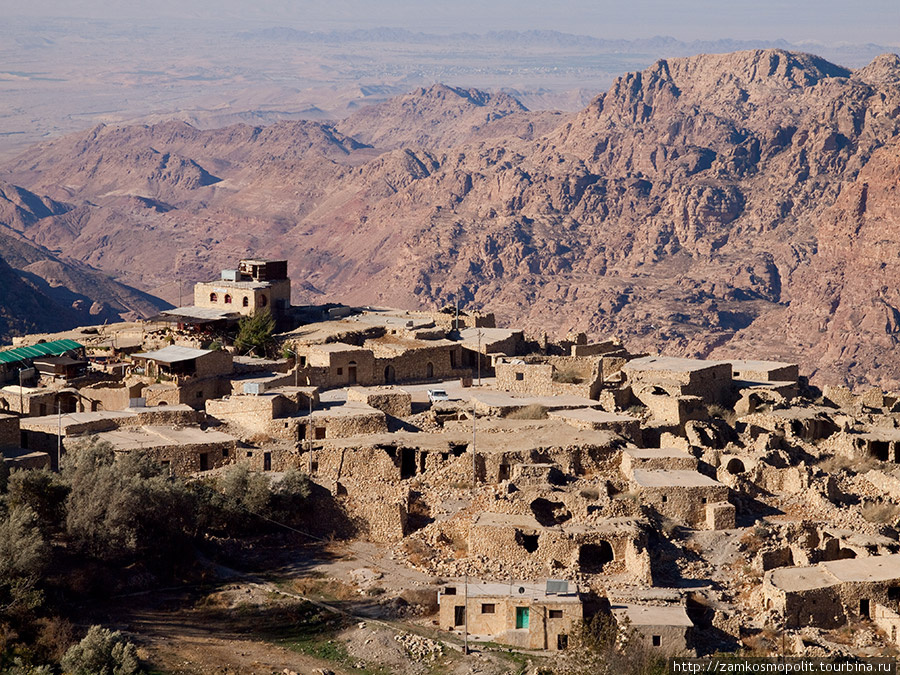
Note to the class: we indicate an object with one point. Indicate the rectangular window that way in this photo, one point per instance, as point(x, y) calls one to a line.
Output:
point(340, 371)
point(555, 614)
point(204, 461)
point(487, 608)
point(303, 362)
point(520, 376)
point(664, 499)
point(320, 433)
point(657, 640)
point(450, 590)
point(224, 452)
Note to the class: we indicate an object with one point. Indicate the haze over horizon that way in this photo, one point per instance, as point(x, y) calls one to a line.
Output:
point(814, 21)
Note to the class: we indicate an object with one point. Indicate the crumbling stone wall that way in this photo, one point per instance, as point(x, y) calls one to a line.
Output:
point(9, 431)
point(550, 375)
point(390, 400)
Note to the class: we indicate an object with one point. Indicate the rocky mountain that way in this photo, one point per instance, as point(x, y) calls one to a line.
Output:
point(728, 204)
point(43, 291)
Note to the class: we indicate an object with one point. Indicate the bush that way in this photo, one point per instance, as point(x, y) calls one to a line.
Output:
point(567, 376)
point(23, 556)
point(127, 509)
point(529, 412)
point(255, 332)
point(102, 652)
point(44, 492)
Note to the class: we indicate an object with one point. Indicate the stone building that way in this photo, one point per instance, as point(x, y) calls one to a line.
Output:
point(391, 401)
point(555, 375)
point(613, 546)
point(182, 450)
point(335, 364)
point(11, 452)
point(184, 375)
point(708, 380)
point(520, 614)
point(599, 420)
point(649, 459)
point(830, 594)
point(664, 630)
point(399, 359)
point(688, 497)
point(256, 284)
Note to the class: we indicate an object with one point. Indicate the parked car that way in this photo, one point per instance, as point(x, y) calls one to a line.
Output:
point(438, 395)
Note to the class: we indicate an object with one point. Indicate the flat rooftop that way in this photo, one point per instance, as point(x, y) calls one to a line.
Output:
point(657, 453)
point(653, 615)
point(758, 366)
point(336, 348)
point(593, 416)
point(173, 354)
point(790, 579)
point(874, 568)
point(73, 419)
point(140, 438)
point(502, 399)
point(669, 364)
point(348, 409)
point(673, 478)
point(241, 285)
point(516, 589)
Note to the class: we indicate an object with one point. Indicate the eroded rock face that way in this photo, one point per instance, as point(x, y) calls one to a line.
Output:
point(721, 205)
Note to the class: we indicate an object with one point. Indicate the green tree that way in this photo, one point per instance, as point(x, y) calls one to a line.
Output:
point(255, 332)
point(23, 557)
point(44, 492)
point(102, 652)
point(128, 508)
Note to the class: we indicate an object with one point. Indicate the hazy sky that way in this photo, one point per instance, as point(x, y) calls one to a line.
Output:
point(828, 21)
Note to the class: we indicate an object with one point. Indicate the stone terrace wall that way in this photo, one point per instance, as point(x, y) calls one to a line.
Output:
point(9, 431)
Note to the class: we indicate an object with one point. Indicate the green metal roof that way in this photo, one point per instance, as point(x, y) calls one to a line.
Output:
point(54, 348)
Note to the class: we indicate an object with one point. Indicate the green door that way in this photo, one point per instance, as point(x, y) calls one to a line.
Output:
point(521, 617)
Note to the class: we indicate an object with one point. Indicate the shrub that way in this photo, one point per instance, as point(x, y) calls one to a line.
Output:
point(567, 376)
point(102, 652)
point(883, 513)
point(255, 332)
point(529, 412)
point(23, 555)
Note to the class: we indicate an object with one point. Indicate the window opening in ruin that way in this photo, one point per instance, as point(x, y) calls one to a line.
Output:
point(450, 590)
point(555, 614)
point(320, 433)
point(204, 461)
point(459, 616)
point(303, 362)
point(340, 371)
point(503, 472)
point(301, 432)
point(423, 456)
point(227, 299)
point(445, 456)
point(313, 466)
point(407, 463)
point(520, 377)
point(522, 618)
point(562, 641)
point(249, 453)
point(864, 608)
point(213, 297)
point(429, 370)
point(880, 449)
point(549, 513)
point(593, 557)
point(245, 302)
point(453, 359)
point(664, 499)
point(657, 640)
point(224, 452)
point(267, 461)
point(703, 500)
point(487, 608)
point(735, 466)
point(527, 541)
point(389, 374)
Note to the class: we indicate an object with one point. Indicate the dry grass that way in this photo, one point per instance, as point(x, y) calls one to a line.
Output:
point(837, 463)
point(567, 376)
point(529, 412)
point(722, 413)
point(418, 552)
point(884, 513)
point(324, 589)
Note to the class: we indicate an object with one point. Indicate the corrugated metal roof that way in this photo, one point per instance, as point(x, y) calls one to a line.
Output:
point(54, 348)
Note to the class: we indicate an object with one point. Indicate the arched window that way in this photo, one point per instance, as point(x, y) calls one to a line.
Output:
point(213, 297)
point(263, 301)
point(245, 302)
point(227, 299)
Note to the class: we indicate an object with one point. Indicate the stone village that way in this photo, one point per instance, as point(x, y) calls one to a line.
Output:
point(699, 503)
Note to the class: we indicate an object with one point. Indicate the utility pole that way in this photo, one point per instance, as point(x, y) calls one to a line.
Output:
point(479, 357)
point(474, 472)
point(466, 616)
point(456, 316)
point(58, 435)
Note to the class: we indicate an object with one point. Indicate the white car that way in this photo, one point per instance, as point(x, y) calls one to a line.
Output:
point(437, 395)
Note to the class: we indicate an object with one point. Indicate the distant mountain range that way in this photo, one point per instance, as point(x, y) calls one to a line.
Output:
point(743, 204)
point(656, 47)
